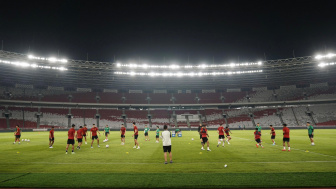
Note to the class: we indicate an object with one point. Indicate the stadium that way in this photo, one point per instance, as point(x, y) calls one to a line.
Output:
point(46, 100)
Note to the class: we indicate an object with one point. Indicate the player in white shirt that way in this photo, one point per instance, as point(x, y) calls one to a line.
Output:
point(166, 142)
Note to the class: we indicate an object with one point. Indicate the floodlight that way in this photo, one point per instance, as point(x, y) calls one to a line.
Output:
point(52, 59)
point(118, 64)
point(322, 64)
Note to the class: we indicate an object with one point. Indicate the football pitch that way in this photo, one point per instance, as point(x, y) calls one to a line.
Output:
point(33, 164)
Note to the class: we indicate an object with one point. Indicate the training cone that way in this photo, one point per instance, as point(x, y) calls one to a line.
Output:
point(307, 151)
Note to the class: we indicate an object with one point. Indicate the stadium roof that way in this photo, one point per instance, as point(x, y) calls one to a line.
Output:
point(39, 71)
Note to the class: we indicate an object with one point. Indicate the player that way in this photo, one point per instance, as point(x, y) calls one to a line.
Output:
point(257, 138)
point(227, 133)
point(166, 143)
point(122, 134)
point(221, 136)
point(259, 127)
point(84, 132)
point(272, 133)
point(311, 133)
point(51, 137)
point(79, 136)
point(135, 135)
point(199, 132)
point(17, 134)
point(94, 131)
point(107, 132)
point(146, 133)
point(285, 137)
point(71, 139)
point(205, 136)
point(157, 134)
point(177, 130)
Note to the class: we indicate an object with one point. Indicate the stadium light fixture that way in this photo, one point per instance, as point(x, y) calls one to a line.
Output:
point(176, 66)
point(323, 64)
point(329, 55)
point(33, 65)
point(190, 74)
point(50, 59)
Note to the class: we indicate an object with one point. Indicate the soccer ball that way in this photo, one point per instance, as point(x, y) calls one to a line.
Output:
point(104, 140)
point(192, 138)
point(22, 139)
point(107, 145)
point(26, 140)
point(225, 165)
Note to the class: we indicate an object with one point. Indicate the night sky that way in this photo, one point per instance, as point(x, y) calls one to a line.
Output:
point(152, 30)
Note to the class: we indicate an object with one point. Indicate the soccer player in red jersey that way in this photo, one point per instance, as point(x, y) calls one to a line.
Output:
point(135, 135)
point(205, 136)
point(272, 134)
point(227, 133)
point(17, 134)
point(122, 134)
point(51, 137)
point(79, 136)
point(285, 137)
point(221, 136)
point(257, 135)
point(93, 132)
point(71, 139)
point(84, 132)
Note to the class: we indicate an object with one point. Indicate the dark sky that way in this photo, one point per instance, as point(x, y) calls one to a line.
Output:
point(152, 30)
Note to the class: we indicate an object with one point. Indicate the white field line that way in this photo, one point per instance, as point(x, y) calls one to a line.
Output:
point(293, 148)
point(130, 163)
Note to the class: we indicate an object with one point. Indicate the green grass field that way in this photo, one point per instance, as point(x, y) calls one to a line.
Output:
point(33, 164)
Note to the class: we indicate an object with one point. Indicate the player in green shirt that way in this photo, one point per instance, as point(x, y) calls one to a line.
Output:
point(146, 133)
point(107, 132)
point(177, 131)
point(311, 133)
point(157, 134)
point(259, 127)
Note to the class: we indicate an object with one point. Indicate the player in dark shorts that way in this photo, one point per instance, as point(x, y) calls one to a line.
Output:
point(227, 133)
point(84, 132)
point(157, 136)
point(257, 136)
point(272, 134)
point(221, 136)
point(146, 130)
point(79, 136)
point(93, 133)
point(17, 134)
point(107, 132)
point(205, 136)
point(71, 139)
point(311, 133)
point(166, 143)
point(122, 134)
point(135, 135)
point(285, 137)
point(51, 137)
